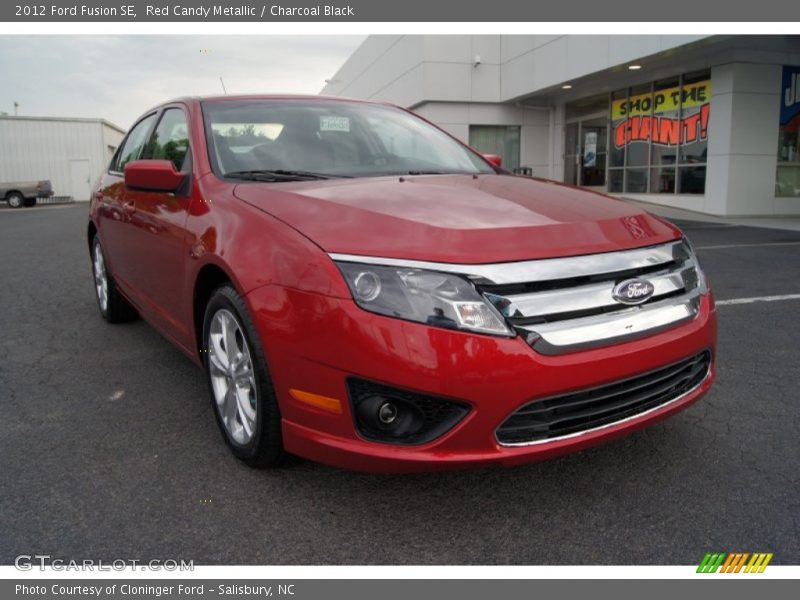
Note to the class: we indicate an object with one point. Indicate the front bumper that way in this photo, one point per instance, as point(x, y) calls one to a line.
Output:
point(313, 343)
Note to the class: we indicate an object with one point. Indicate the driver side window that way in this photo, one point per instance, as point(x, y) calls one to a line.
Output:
point(132, 147)
point(170, 140)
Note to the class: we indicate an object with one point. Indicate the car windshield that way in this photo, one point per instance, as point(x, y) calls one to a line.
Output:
point(280, 140)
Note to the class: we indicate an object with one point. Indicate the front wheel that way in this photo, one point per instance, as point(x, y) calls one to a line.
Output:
point(113, 307)
point(241, 390)
point(15, 200)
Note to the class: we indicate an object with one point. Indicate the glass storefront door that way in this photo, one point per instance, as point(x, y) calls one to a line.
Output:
point(585, 151)
point(572, 152)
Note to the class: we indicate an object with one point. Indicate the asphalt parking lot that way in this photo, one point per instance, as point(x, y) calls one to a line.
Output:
point(109, 449)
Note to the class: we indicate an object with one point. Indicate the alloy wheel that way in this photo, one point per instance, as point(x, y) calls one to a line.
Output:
point(100, 278)
point(232, 378)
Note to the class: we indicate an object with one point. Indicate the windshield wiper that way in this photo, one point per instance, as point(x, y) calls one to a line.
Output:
point(280, 175)
point(311, 174)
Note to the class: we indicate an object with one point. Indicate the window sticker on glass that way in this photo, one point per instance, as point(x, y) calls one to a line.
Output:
point(334, 124)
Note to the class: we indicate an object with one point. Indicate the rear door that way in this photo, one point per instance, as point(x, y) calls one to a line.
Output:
point(158, 221)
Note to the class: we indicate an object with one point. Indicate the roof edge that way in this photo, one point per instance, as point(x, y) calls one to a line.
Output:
point(64, 120)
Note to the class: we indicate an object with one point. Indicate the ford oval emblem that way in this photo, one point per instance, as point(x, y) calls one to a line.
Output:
point(633, 291)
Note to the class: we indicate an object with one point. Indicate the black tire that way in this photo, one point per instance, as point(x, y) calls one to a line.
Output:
point(15, 200)
point(265, 448)
point(117, 309)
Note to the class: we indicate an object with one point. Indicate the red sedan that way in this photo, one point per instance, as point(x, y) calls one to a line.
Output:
point(363, 290)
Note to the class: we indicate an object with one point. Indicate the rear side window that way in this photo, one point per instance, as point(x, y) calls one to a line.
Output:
point(170, 140)
point(134, 143)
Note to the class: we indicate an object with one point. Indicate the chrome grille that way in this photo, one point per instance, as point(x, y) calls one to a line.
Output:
point(566, 304)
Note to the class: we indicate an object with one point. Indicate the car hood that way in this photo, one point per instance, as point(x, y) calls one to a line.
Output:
point(456, 218)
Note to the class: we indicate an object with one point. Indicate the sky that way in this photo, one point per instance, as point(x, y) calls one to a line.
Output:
point(117, 78)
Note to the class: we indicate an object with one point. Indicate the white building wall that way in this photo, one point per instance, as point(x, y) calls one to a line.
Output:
point(743, 149)
point(382, 67)
point(557, 149)
point(34, 149)
point(112, 138)
point(408, 70)
point(532, 63)
point(536, 143)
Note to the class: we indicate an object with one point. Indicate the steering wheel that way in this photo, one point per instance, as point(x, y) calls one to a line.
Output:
point(267, 155)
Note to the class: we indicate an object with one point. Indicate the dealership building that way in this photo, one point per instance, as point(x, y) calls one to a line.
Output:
point(704, 123)
point(71, 153)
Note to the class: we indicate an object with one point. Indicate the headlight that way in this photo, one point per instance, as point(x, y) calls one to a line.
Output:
point(694, 277)
point(437, 299)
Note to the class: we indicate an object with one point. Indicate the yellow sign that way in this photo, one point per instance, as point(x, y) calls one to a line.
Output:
point(693, 94)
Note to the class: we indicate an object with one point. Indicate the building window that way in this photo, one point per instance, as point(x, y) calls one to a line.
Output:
point(497, 139)
point(659, 136)
point(787, 182)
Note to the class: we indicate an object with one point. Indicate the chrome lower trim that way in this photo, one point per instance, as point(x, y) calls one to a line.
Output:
point(546, 269)
point(610, 328)
point(615, 423)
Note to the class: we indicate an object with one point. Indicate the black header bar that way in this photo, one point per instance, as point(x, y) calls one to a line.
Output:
point(153, 11)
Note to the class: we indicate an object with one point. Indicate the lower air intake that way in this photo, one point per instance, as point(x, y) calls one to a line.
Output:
point(550, 418)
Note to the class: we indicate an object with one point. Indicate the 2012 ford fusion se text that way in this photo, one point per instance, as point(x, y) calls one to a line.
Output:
point(363, 290)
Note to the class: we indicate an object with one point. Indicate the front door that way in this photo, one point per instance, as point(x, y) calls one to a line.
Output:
point(158, 225)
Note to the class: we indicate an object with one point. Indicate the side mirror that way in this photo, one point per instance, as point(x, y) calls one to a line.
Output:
point(494, 159)
point(153, 175)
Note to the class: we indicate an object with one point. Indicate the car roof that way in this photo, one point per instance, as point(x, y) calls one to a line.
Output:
point(228, 97)
point(189, 100)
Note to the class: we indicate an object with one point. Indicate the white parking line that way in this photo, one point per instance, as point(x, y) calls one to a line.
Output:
point(723, 246)
point(757, 299)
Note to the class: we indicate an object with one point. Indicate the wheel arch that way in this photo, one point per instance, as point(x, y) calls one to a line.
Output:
point(209, 277)
point(91, 231)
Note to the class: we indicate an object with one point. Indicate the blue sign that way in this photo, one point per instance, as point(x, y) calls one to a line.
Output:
point(790, 94)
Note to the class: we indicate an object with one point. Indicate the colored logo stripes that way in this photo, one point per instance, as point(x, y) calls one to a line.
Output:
point(734, 562)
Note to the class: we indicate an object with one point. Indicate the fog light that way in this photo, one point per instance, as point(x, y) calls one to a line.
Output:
point(387, 413)
point(391, 415)
point(387, 417)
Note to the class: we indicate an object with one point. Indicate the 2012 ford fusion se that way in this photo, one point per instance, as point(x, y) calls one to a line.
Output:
point(365, 291)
